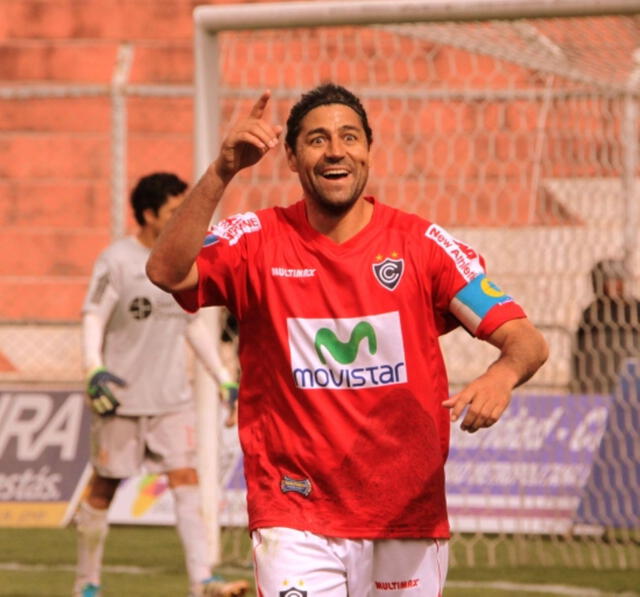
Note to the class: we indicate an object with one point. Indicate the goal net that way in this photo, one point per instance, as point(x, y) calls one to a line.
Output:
point(520, 136)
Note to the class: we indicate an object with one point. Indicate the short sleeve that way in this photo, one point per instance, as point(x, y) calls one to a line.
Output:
point(222, 266)
point(102, 294)
point(482, 307)
point(462, 291)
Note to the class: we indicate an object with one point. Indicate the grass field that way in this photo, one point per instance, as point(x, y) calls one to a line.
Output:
point(144, 561)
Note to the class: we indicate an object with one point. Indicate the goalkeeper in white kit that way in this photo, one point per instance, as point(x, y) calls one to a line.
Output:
point(135, 353)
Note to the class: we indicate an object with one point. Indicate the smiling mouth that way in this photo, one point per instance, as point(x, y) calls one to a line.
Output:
point(335, 174)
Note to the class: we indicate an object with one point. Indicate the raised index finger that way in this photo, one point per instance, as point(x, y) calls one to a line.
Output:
point(258, 108)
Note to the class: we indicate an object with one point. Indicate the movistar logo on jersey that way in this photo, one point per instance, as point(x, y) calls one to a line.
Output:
point(345, 352)
point(348, 353)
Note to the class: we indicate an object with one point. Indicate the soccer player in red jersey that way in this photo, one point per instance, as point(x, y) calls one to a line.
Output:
point(344, 412)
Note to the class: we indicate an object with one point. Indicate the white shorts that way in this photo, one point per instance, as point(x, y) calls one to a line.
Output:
point(121, 445)
point(292, 563)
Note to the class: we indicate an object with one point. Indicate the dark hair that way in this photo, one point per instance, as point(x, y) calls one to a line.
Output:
point(325, 94)
point(607, 269)
point(153, 191)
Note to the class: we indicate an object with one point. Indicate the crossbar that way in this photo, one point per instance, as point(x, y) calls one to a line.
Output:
point(279, 15)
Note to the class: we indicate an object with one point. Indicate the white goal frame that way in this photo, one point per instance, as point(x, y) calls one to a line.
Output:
point(209, 21)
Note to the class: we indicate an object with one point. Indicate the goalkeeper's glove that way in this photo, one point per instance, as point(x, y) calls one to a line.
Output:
point(101, 398)
point(229, 392)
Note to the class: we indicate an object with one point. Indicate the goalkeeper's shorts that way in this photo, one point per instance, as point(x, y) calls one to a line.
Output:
point(120, 445)
point(293, 563)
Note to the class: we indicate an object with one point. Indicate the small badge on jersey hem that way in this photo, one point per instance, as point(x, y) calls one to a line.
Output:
point(301, 486)
point(388, 271)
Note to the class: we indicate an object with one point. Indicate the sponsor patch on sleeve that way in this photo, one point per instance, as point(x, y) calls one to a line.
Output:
point(475, 300)
point(210, 239)
point(233, 228)
point(466, 260)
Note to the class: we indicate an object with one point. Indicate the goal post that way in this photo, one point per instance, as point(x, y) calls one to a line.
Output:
point(209, 21)
point(281, 15)
point(512, 123)
point(206, 392)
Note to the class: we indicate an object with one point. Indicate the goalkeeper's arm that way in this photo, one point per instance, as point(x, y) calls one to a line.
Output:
point(98, 378)
point(206, 350)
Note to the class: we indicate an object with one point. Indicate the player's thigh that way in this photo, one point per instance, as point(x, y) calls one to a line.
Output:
point(409, 567)
point(170, 440)
point(117, 449)
point(292, 563)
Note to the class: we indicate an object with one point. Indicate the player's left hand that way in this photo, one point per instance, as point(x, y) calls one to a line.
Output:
point(229, 393)
point(102, 400)
point(485, 399)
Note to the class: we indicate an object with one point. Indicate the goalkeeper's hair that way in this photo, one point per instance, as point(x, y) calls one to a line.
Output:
point(327, 93)
point(606, 270)
point(153, 191)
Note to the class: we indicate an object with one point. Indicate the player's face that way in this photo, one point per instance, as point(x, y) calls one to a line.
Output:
point(614, 287)
point(331, 157)
point(156, 222)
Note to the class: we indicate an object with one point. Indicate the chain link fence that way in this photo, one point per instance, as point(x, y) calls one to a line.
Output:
point(76, 151)
point(520, 138)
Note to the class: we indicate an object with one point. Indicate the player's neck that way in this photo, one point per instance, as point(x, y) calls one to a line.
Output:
point(340, 227)
point(146, 237)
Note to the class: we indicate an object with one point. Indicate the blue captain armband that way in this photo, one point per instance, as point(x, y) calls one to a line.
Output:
point(475, 300)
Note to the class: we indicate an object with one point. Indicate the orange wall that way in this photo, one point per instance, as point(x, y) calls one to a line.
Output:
point(55, 154)
point(55, 162)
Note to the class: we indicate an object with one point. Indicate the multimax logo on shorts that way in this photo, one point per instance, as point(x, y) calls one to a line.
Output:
point(347, 353)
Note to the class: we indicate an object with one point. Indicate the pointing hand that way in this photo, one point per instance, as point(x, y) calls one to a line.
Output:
point(248, 140)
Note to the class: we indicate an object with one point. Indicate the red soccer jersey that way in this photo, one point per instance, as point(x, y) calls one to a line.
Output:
point(341, 418)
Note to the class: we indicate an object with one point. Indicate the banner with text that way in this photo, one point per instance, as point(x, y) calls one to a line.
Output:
point(526, 474)
point(550, 463)
point(44, 443)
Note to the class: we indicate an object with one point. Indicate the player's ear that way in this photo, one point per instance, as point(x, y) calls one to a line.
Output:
point(149, 215)
point(291, 158)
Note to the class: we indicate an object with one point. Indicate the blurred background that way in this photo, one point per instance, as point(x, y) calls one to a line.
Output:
point(519, 136)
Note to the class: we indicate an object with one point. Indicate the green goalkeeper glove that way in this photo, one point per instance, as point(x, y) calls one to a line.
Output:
point(101, 398)
point(229, 391)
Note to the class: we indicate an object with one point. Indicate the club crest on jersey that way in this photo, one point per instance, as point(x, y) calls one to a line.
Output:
point(389, 271)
